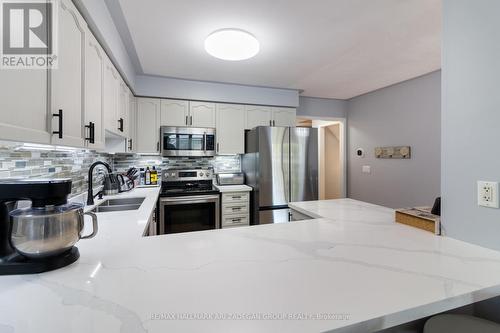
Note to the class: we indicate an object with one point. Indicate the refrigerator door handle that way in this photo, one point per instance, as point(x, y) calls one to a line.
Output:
point(287, 160)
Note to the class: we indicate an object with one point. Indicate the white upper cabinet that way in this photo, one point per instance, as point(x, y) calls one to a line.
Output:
point(230, 129)
point(67, 80)
point(202, 114)
point(132, 123)
point(123, 106)
point(258, 116)
point(174, 112)
point(184, 113)
point(24, 119)
point(111, 93)
point(94, 90)
point(284, 117)
point(148, 119)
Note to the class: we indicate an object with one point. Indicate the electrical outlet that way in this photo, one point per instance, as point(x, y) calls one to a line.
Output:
point(487, 194)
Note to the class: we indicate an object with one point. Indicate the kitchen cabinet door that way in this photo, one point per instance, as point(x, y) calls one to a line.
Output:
point(67, 80)
point(123, 106)
point(174, 112)
point(284, 117)
point(202, 114)
point(94, 90)
point(257, 116)
point(230, 129)
point(111, 93)
point(148, 130)
point(24, 119)
point(132, 124)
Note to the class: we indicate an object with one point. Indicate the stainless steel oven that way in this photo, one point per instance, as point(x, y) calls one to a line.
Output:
point(189, 213)
point(187, 141)
point(188, 201)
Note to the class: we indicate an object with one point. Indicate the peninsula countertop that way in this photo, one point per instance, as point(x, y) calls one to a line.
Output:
point(352, 270)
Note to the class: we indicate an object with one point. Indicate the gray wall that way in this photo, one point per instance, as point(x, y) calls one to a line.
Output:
point(155, 86)
point(322, 107)
point(407, 113)
point(470, 117)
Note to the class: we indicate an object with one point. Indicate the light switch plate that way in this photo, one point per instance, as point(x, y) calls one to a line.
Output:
point(367, 169)
point(487, 194)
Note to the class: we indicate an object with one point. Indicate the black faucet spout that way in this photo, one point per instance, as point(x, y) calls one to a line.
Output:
point(90, 192)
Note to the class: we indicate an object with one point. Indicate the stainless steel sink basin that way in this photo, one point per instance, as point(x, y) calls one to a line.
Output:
point(122, 201)
point(120, 204)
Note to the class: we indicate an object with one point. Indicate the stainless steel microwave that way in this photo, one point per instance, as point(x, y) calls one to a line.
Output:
point(187, 141)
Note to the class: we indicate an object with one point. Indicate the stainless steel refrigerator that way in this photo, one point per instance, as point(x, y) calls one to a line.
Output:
point(281, 165)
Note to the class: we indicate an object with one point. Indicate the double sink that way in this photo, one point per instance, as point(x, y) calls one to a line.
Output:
point(118, 204)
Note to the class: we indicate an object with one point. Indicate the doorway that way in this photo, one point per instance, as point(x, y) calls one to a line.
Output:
point(331, 156)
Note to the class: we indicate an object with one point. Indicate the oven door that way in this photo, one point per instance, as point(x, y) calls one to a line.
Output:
point(189, 213)
point(187, 141)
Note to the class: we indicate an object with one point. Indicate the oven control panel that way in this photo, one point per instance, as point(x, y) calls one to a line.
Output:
point(186, 175)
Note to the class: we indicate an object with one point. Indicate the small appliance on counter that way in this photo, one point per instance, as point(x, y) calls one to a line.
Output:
point(39, 238)
point(111, 184)
point(188, 201)
point(235, 178)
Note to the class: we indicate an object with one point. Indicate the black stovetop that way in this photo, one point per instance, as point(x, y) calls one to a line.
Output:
point(177, 189)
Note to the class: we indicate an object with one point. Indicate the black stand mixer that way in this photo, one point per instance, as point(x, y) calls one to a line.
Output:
point(39, 238)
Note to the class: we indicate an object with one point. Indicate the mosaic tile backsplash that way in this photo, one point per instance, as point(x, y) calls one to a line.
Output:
point(34, 161)
point(218, 163)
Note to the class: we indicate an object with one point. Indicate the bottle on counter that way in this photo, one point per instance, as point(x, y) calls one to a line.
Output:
point(142, 177)
point(154, 176)
point(147, 177)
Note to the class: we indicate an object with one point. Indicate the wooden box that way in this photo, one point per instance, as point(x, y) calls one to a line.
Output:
point(419, 217)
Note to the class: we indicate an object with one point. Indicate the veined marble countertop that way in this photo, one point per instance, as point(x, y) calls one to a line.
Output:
point(355, 266)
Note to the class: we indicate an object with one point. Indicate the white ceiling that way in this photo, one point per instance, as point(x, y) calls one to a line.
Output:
point(328, 48)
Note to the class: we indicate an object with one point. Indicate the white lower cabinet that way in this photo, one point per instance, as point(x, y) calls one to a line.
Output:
point(235, 209)
point(230, 129)
point(148, 129)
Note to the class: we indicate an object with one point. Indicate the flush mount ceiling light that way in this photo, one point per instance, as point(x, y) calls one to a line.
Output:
point(232, 44)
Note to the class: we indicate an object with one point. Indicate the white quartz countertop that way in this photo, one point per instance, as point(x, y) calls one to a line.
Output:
point(233, 188)
point(354, 265)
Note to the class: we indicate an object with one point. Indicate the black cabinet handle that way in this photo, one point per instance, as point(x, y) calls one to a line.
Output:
point(157, 146)
point(187, 120)
point(130, 144)
point(120, 122)
point(60, 116)
point(91, 127)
